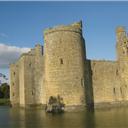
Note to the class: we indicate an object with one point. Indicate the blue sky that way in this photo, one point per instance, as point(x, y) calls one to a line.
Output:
point(22, 24)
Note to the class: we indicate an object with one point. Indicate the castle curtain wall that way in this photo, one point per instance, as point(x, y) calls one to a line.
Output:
point(64, 70)
point(14, 84)
point(106, 82)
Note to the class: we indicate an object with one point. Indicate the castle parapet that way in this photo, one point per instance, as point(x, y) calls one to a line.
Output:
point(75, 27)
point(120, 29)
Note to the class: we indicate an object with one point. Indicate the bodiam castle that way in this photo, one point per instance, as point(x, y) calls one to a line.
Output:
point(60, 68)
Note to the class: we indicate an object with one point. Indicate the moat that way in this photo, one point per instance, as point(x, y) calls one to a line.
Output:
point(19, 118)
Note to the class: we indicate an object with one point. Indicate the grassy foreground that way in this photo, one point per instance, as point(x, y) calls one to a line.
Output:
point(4, 101)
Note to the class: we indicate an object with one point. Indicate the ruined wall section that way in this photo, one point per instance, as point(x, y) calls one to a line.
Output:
point(64, 64)
point(14, 84)
point(121, 44)
point(106, 82)
point(122, 58)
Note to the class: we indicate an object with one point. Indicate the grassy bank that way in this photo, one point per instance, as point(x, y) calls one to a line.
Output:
point(4, 101)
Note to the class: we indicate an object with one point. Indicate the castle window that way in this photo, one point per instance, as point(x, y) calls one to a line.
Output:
point(61, 61)
point(13, 83)
point(42, 50)
point(82, 82)
point(114, 90)
point(30, 64)
point(116, 72)
point(32, 93)
point(13, 94)
point(14, 73)
point(120, 90)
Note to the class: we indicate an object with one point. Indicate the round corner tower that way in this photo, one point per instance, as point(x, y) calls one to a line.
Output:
point(64, 57)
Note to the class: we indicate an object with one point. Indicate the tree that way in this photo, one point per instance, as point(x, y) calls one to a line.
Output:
point(4, 90)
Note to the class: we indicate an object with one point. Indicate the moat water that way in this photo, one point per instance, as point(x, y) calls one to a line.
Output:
point(19, 118)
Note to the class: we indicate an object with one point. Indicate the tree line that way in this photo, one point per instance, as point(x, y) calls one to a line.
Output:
point(4, 90)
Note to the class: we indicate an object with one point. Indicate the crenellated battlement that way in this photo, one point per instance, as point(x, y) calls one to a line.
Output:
point(75, 27)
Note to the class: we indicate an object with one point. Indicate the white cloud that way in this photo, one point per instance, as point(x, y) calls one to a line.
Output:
point(9, 54)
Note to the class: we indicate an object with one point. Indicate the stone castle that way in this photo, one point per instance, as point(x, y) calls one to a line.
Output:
point(61, 68)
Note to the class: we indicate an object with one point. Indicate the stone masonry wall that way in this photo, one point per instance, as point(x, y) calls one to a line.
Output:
point(21, 82)
point(64, 64)
point(14, 84)
point(64, 70)
point(123, 72)
point(38, 74)
point(30, 70)
point(106, 82)
point(29, 79)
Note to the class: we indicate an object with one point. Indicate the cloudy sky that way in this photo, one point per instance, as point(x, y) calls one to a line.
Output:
point(9, 54)
point(22, 25)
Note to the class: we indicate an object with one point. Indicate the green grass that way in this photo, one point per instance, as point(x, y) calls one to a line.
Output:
point(4, 101)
